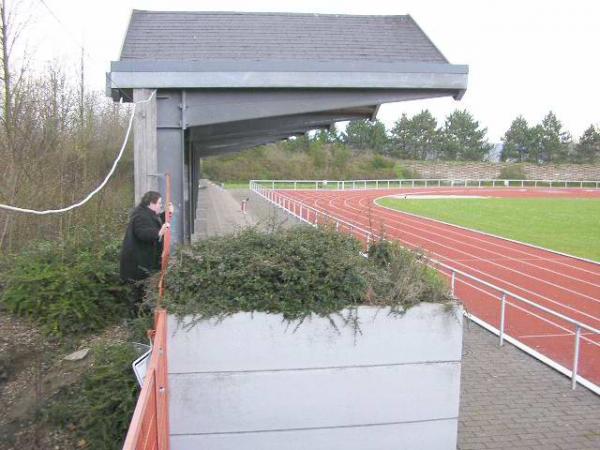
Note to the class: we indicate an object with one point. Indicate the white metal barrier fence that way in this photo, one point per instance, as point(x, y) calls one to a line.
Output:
point(414, 183)
point(316, 217)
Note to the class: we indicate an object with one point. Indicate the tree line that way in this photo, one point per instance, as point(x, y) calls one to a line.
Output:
point(57, 141)
point(462, 138)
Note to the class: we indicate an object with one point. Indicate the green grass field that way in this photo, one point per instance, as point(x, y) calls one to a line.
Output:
point(566, 225)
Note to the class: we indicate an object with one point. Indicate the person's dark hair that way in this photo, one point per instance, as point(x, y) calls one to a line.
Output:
point(150, 197)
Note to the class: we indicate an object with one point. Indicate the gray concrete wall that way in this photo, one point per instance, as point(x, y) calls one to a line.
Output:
point(253, 381)
point(489, 170)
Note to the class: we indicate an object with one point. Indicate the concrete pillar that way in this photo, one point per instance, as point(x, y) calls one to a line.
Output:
point(144, 144)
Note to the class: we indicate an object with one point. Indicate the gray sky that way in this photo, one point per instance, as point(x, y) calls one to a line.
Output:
point(525, 56)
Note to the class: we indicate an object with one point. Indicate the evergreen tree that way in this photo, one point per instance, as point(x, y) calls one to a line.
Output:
point(555, 141)
point(366, 134)
point(517, 141)
point(462, 139)
point(416, 138)
point(327, 136)
point(400, 139)
point(588, 148)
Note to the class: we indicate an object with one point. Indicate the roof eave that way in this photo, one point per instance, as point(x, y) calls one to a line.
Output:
point(292, 80)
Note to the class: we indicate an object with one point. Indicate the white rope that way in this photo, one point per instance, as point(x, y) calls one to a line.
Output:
point(95, 191)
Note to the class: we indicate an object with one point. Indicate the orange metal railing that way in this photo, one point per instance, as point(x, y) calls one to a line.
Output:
point(149, 428)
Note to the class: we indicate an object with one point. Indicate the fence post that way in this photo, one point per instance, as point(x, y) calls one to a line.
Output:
point(502, 315)
point(453, 283)
point(388, 184)
point(576, 358)
point(273, 185)
point(376, 184)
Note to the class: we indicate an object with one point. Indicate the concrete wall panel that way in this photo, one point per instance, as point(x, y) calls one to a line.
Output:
point(425, 333)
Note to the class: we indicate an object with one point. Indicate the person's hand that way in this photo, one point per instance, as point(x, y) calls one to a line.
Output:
point(170, 210)
point(163, 230)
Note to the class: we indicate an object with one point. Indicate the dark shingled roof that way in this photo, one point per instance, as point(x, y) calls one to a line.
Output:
point(202, 36)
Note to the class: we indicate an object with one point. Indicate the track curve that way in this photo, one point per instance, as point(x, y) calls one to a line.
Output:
point(565, 284)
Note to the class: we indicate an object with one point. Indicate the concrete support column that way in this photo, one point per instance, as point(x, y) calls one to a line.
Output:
point(144, 144)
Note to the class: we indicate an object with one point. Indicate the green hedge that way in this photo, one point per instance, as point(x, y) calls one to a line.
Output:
point(295, 272)
point(66, 287)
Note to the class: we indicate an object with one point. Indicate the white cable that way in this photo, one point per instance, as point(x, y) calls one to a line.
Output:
point(95, 191)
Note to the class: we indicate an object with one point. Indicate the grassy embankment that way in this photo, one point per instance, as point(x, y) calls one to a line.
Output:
point(565, 225)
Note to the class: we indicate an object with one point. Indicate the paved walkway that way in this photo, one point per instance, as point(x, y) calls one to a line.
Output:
point(509, 400)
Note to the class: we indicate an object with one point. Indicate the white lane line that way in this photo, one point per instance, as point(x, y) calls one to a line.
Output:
point(569, 334)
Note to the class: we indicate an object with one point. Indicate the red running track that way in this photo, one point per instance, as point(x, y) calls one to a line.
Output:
point(565, 284)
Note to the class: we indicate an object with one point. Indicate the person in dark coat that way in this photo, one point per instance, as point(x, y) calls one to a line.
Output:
point(143, 243)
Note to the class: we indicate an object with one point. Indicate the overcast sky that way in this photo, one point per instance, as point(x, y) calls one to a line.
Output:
point(525, 56)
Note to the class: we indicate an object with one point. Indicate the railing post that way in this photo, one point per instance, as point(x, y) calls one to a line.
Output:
point(502, 316)
point(388, 184)
point(295, 184)
point(453, 283)
point(575, 358)
point(376, 184)
point(273, 185)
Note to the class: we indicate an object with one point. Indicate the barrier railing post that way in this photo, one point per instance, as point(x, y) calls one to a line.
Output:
point(575, 358)
point(453, 283)
point(502, 315)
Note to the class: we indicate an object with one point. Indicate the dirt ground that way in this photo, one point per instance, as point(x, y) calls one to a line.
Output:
point(32, 370)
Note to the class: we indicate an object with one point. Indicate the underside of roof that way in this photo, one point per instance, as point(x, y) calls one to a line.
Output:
point(251, 78)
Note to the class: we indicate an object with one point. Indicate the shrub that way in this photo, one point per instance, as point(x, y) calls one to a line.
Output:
point(294, 272)
point(381, 162)
point(67, 287)
point(512, 172)
point(99, 409)
point(405, 173)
